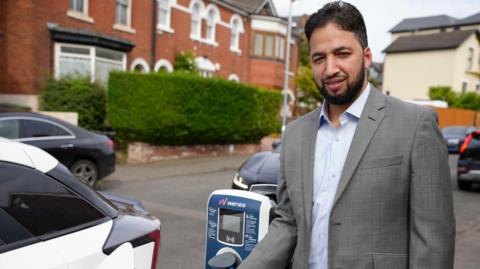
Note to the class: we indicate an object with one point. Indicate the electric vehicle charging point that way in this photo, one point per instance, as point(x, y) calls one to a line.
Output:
point(236, 221)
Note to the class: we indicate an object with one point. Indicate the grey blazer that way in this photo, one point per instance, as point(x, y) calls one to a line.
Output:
point(393, 207)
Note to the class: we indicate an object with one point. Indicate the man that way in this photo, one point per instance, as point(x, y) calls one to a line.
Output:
point(364, 179)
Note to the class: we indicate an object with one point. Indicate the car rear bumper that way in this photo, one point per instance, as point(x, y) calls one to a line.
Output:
point(472, 175)
point(106, 165)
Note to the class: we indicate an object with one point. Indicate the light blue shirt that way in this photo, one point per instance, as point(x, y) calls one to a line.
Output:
point(331, 149)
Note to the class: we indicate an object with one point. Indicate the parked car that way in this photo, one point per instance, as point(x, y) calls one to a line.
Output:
point(454, 136)
point(468, 169)
point(49, 219)
point(89, 156)
point(261, 168)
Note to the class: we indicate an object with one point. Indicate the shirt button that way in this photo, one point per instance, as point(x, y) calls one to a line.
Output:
point(333, 175)
point(336, 140)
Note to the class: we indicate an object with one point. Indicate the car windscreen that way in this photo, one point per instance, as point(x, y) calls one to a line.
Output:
point(457, 131)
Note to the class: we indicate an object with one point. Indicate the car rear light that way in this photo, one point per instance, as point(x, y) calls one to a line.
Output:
point(155, 236)
point(109, 143)
point(464, 147)
point(463, 169)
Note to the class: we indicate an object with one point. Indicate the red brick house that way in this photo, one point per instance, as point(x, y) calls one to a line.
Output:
point(241, 40)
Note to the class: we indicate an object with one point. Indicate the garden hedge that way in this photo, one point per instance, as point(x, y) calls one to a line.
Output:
point(179, 109)
point(76, 94)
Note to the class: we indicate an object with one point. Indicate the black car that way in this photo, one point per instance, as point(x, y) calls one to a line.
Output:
point(261, 168)
point(468, 169)
point(454, 136)
point(88, 155)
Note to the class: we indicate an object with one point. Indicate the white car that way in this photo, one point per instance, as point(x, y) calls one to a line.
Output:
point(49, 219)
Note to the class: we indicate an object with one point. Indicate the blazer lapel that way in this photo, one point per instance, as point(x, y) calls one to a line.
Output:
point(308, 158)
point(370, 119)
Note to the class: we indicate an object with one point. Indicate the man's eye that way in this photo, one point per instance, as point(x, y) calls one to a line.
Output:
point(318, 59)
point(343, 54)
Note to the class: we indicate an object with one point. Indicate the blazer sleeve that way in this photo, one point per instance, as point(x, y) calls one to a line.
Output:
point(276, 248)
point(432, 221)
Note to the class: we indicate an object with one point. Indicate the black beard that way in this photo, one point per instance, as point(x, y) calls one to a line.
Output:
point(351, 93)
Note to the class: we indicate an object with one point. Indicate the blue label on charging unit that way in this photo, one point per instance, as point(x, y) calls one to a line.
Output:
point(233, 222)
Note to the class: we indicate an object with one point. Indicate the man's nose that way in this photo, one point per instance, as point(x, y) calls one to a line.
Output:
point(331, 67)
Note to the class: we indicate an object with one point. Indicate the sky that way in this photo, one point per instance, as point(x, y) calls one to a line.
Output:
point(382, 15)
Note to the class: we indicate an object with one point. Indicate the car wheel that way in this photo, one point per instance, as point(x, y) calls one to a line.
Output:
point(464, 185)
point(85, 171)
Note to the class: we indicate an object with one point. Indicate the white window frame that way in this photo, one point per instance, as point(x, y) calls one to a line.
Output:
point(127, 27)
point(235, 45)
point(167, 26)
point(163, 63)
point(80, 15)
point(204, 71)
point(211, 9)
point(142, 62)
point(234, 77)
point(195, 34)
point(91, 57)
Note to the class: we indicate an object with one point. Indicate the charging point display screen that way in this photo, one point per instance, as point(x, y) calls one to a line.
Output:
point(230, 227)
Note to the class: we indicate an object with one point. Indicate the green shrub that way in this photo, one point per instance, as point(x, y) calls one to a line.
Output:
point(185, 62)
point(443, 93)
point(76, 94)
point(181, 108)
point(468, 100)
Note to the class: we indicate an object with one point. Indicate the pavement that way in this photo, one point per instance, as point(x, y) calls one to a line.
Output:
point(174, 168)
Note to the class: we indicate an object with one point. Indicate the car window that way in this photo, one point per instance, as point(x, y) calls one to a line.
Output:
point(34, 128)
point(459, 130)
point(41, 204)
point(9, 128)
point(473, 148)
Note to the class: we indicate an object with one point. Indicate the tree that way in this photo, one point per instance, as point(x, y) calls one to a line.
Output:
point(309, 91)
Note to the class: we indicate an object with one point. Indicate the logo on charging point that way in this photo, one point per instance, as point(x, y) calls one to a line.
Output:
point(223, 201)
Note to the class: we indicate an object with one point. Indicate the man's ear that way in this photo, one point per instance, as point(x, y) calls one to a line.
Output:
point(367, 57)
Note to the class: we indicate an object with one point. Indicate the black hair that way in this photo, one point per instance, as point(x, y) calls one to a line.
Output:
point(343, 14)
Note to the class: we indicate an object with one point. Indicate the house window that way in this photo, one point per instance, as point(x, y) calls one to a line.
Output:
point(269, 45)
point(78, 6)
point(140, 65)
point(236, 27)
point(234, 77)
point(234, 36)
point(280, 48)
point(89, 61)
point(470, 59)
point(163, 65)
point(211, 25)
point(477, 87)
point(258, 45)
point(122, 12)
point(196, 20)
point(464, 86)
point(163, 14)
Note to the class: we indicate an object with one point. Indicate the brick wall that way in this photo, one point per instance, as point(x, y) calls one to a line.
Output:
point(26, 48)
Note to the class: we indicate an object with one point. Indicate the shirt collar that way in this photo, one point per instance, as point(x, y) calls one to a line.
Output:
point(355, 109)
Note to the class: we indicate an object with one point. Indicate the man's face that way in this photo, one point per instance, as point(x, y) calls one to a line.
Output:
point(338, 64)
